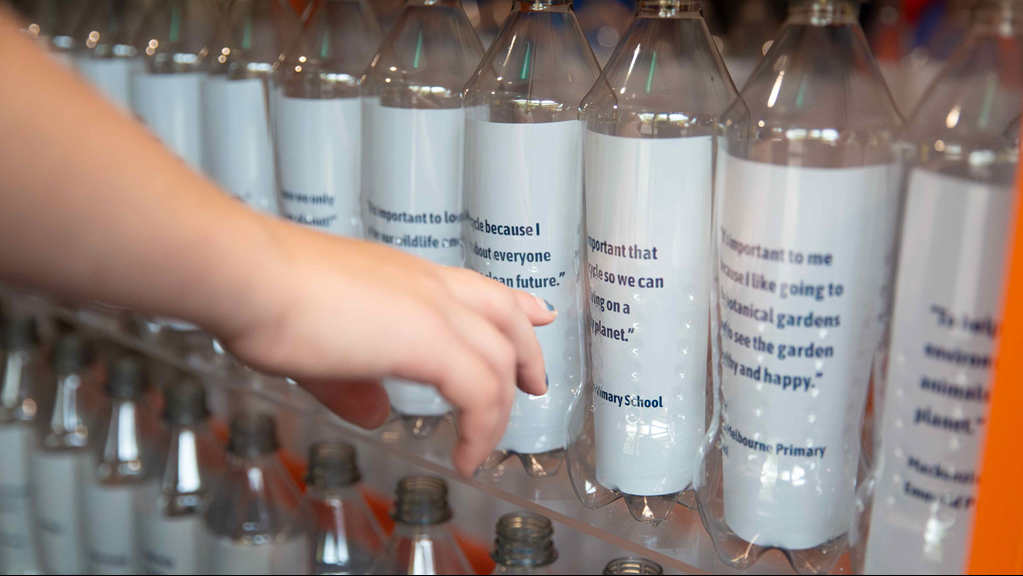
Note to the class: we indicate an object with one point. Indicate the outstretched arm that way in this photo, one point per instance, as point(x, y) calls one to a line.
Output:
point(93, 207)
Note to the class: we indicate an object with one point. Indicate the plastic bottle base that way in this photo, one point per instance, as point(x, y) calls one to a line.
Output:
point(651, 509)
point(419, 426)
point(542, 465)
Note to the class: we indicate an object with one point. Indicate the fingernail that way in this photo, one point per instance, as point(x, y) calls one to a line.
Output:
point(546, 304)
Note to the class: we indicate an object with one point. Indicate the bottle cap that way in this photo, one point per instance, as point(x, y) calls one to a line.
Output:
point(127, 377)
point(332, 465)
point(253, 435)
point(20, 332)
point(421, 500)
point(524, 540)
point(71, 354)
point(186, 403)
point(633, 566)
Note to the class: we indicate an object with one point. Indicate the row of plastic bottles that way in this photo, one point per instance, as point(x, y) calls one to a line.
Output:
point(101, 487)
point(785, 247)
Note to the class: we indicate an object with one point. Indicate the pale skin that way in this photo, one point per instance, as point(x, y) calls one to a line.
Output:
point(92, 207)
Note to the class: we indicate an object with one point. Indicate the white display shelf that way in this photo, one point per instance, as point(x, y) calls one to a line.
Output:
point(680, 544)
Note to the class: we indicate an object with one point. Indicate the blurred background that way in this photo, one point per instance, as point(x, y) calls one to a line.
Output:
point(910, 38)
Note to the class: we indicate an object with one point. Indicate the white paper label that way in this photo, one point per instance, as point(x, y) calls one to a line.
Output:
point(946, 317)
point(648, 205)
point(169, 105)
point(412, 200)
point(236, 136)
point(108, 520)
point(111, 76)
point(319, 145)
point(56, 501)
point(803, 259)
point(17, 540)
point(169, 544)
point(226, 557)
point(523, 190)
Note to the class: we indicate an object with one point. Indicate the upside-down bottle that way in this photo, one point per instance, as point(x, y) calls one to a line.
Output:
point(59, 460)
point(347, 538)
point(960, 156)
point(422, 541)
point(648, 155)
point(806, 207)
point(413, 129)
point(124, 457)
point(21, 396)
point(524, 545)
point(171, 506)
point(319, 116)
point(257, 519)
point(524, 202)
point(166, 93)
point(105, 53)
point(237, 98)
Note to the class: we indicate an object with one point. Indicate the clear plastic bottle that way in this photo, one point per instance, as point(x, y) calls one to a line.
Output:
point(413, 126)
point(806, 207)
point(124, 456)
point(319, 116)
point(257, 519)
point(54, 22)
point(237, 98)
point(524, 201)
point(960, 156)
point(21, 396)
point(347, 538)
point(422, 541)
point(105, 53)
point(640, 566)
point(171, 505)
point(59, 460)
point(166, 94)
point(648, 155)
point(524, 545)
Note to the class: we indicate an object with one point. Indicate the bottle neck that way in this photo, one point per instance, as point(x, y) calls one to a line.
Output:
point(824, 12)
point(122, 448)
point(445, 3)
point(183, 474)
point(1001, 17)
point(667, 8)
point(542, 5)
point(67, 425)
point(15, 403)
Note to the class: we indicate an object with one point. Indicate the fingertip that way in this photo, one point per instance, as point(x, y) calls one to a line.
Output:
point(364, 404)
point(539, 311)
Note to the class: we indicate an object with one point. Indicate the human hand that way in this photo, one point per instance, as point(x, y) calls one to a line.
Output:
point(342, 314)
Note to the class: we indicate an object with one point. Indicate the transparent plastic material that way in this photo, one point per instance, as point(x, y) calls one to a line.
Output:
point(257, 518)
point(524, 202)
point(54, 22)
point(648, 155)
point(105, 54)
point(166, 94)
point(21, 395)
point(422, 541)
point(806, 207)
point(347, 538)
point(755, 23)
point(128, 440)
point(59, 458)
point(413, 130)
point(319, 116)
point(237, 98)
point(960, 154)
point(640, 566)
point(171, 505)
point(524, 545)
